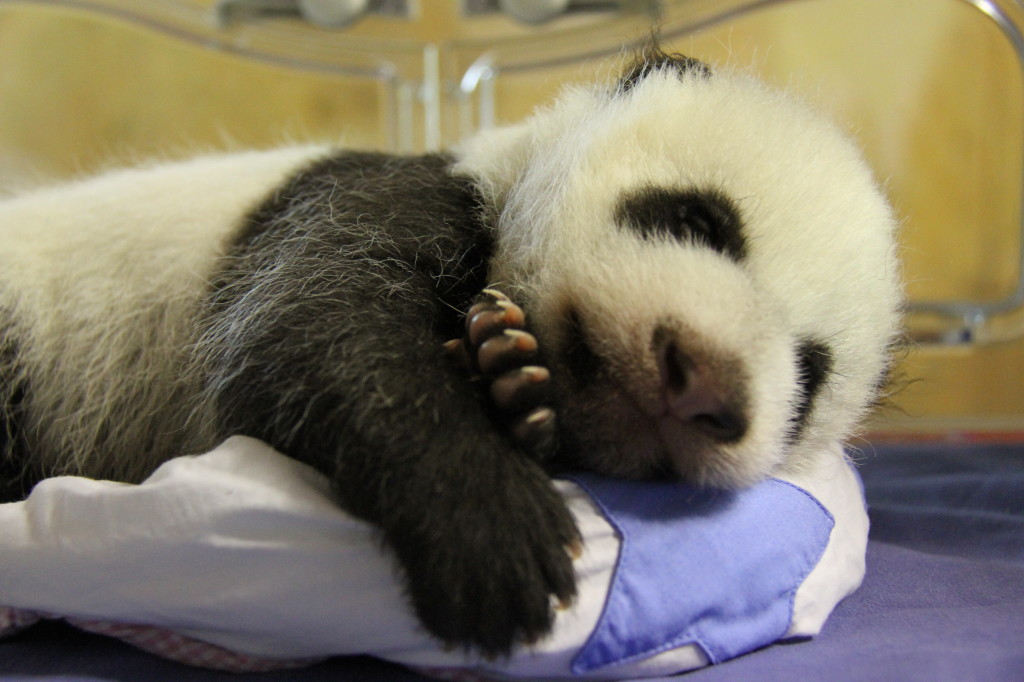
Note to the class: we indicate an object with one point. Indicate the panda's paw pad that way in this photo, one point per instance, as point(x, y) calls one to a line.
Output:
point(497, 348)
point(520, 390)
point(509, 350)
point(535, 431)
point(492, 313)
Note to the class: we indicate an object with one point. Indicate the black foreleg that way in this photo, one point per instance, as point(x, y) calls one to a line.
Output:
point(355, 382)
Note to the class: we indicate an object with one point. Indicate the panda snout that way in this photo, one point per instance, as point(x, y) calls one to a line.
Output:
point(701, 394)
point(648, 396)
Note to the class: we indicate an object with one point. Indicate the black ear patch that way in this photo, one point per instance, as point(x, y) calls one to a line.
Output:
point(654, 59)
point(704, 217)
point(814, 362)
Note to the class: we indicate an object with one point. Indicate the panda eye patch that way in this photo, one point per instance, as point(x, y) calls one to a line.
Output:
point(707, 218)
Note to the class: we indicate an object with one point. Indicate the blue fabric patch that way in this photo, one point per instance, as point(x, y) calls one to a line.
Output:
point(712, 568)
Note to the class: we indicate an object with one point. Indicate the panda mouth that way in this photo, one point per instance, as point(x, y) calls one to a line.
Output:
point(615, 435)
point(654, 421)
point(718, 427)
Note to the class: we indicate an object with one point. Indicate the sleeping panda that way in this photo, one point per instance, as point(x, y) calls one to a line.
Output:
point(691, 276)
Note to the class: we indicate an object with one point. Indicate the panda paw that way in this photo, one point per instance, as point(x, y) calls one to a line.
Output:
point(497, 565)
point(497, 350)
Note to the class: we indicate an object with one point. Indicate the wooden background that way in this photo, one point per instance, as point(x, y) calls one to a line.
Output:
point(931, 88)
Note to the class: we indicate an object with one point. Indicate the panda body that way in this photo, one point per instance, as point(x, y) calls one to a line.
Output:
point(707, 264)
point(99, 282)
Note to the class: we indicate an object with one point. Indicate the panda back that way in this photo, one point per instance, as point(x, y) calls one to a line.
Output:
point(99, 280)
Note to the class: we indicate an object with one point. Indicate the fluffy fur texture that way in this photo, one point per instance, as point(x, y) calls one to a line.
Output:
point(795, 325)
point(707, 264)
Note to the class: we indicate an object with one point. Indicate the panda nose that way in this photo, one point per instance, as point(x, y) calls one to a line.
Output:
point(694, 394)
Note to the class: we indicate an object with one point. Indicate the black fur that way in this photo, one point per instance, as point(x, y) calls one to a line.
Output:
point(15, 474)
point(323, 335)
point(581, 362)
point(653, 58)
point(324, 338)
point(707, 218)
point(814, 363)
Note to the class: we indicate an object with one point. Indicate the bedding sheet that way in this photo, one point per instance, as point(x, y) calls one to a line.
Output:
point(239, 559)
point(943, 598)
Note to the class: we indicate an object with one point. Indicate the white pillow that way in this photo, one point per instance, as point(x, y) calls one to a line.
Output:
point(244, 549)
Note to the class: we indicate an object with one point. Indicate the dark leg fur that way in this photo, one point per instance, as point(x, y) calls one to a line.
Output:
point(325, 339)
point(15, 478)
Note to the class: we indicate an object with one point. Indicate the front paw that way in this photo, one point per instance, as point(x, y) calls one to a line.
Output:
point(500, 352)
point(491, 576)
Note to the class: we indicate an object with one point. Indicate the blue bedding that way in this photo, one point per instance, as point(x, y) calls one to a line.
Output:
point(943, 598)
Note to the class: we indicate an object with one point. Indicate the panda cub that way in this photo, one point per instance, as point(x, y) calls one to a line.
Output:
point(696, 280)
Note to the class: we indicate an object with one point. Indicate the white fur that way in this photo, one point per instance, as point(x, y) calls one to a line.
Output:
point(83, 268)
point(820, 264)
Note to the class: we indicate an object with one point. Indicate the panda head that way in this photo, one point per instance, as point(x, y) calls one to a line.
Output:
point(708, 264)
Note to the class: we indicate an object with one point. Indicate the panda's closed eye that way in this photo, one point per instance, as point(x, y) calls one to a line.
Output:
point(707, 218)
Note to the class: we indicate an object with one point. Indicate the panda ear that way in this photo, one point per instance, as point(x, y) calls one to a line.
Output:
point(653, 59)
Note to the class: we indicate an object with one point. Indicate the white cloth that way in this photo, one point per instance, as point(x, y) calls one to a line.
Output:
point(244, 548)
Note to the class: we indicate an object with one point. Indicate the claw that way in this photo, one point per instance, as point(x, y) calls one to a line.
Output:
point(536, 432)
point(456, 350)
point(495, 294)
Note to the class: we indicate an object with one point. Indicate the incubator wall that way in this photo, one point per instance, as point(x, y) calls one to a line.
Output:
point(932, 88)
